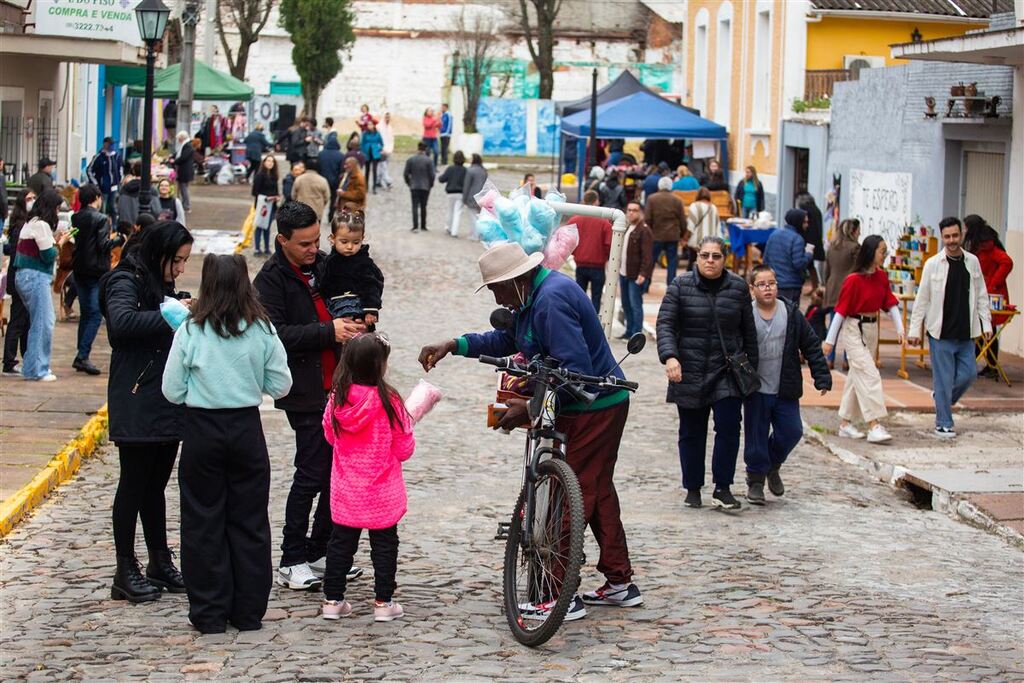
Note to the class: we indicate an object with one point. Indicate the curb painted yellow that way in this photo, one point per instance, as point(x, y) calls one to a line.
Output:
point(61, 468)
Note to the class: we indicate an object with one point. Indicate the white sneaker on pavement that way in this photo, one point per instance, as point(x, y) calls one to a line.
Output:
point(878, 434)
point(298, 577)
point(319, 568)
point(848, 431)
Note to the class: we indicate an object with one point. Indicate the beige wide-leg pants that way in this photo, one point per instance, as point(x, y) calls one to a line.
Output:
point(862, 395)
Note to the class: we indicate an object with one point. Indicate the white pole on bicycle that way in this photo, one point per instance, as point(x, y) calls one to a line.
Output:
point(611, 271)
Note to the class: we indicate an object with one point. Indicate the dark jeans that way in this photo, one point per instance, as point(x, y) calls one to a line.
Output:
point(431, 144)
point(445, 142)
point(791, 294)
point(632, 305)
point(671, 250)
point(263, 234)
point(383, 554)
point(145, 471)
point(312, 478)
point(254, 165)
point(693, 441)
point(110, 205)
point(771, 430)
point(224, 478)
point(90, 317)
point(17, 329)
point(419, 209)
point(371, 169)
point(594, 278)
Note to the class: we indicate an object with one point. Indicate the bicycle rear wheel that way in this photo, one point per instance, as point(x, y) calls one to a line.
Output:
point(542, 567)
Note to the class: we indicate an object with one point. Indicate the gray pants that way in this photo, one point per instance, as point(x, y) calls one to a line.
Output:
point(183, 195)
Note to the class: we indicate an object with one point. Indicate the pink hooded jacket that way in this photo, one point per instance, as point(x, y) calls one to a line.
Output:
point(367, 489)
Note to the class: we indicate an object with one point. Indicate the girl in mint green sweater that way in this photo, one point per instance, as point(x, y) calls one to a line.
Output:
point(223, 359)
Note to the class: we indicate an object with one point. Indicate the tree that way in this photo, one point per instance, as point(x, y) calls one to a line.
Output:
point(540, 41)
point(476, 46)
point(319, 29)
point(248, 17)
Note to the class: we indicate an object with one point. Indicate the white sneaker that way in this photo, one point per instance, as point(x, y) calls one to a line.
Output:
point(298, 577)
point(848, 431)
point(878, 434)
point(319, 568)
point(945, 433)
point(48, 377)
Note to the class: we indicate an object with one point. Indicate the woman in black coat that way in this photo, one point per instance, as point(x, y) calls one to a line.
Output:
point(814, 234)
point(699, 380)
point(265, 183)
point(145, 427)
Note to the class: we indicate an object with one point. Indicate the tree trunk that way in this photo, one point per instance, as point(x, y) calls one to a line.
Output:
point(546, 61)
point(241, 60)
point(310, 100)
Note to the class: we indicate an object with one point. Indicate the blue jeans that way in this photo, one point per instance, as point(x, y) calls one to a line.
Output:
point(953, 372)
point(632, 305)
point(431, 144)
point(34, 288)
point(790, 294)
point(594, 277)
point(89, 322)
point(693, 441)
point(671, 250)
point(110, 205)
point(264, 233)
point(771, 430)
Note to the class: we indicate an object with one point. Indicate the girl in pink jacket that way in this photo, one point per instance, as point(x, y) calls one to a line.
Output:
point(371, 432)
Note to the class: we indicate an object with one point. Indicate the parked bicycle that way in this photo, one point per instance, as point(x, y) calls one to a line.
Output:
point(544, 546)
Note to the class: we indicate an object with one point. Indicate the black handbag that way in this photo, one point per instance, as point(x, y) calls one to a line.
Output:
point(743, 372)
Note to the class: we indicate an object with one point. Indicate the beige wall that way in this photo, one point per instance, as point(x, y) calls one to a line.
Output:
point(23, 77)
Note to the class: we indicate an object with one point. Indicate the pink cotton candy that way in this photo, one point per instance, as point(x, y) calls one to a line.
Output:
point(562, 243)
point(487, 200)
point(423, 397)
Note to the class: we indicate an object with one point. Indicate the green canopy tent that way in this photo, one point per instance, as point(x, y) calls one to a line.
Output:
point(209, 84)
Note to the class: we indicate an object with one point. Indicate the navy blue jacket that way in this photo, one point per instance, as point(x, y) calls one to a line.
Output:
point(558, 321)
point(105, 171)
point(785, 253)
point(330, 162)
point(255, 145)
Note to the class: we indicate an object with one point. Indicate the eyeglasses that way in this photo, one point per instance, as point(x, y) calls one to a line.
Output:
point(711, 256)
point(765, 286)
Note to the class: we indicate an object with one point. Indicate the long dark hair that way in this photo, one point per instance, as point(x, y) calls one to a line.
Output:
point(158, 245)
point(19, 212)
point(977, 230)
point(364, 360)
point(45, 208)
point(272, 173)
point(866, 253)
point(227, 297)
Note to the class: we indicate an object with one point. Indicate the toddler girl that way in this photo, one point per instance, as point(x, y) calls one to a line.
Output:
point(371, 433)
point(352, 284)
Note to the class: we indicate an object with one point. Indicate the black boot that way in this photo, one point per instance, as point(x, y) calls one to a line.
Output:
point(161, 572)
point(130, 584)
point(775, 481)
point(755, 488)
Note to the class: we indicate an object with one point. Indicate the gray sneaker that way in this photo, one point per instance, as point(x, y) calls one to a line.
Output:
point(775, 484)
point(298, 577)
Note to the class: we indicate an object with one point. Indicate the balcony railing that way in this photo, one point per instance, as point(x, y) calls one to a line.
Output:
point(819, 83)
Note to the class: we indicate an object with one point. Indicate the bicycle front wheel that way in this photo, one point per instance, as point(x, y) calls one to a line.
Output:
point(543, 554)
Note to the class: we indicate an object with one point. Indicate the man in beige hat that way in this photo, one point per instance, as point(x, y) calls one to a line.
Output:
point(552, 316)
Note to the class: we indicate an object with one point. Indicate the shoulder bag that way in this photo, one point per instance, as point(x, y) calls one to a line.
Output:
point(742, 370)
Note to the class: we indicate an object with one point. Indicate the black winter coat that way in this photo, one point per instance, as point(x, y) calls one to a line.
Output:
point(800, 338)
point(139, 341)
point(92, 243)
point(263, 183)
point(290, 305)
point(686, 332)
point(356, 274)
point(186, 163)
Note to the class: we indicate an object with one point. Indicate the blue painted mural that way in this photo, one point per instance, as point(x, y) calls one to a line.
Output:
point(547, 128)
point(503, 124)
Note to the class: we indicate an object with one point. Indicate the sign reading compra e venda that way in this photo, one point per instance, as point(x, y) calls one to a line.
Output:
point(94, 19)
point(881, 201)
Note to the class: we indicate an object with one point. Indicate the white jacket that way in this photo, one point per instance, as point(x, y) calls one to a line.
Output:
point(932, 293)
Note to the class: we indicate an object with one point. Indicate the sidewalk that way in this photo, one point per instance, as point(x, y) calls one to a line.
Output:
point(38, 420)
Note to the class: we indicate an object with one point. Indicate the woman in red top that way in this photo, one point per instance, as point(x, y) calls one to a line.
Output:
point(996, 265)
point(431, 129)
point(865, 292)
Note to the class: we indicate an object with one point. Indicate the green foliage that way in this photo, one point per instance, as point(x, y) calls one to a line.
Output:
point(320, 30)
point(800, 106)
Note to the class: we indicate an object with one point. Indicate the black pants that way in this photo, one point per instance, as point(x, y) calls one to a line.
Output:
point(371, 170)
point(312, 477)
point(254, 165)
point(419, 204)
point(445, 141)
point(17, 329)
point(145, 470)
point(383, 554)
point(693, 441)
point(224, 478)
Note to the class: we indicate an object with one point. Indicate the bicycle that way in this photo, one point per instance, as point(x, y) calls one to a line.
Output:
point(544, 541)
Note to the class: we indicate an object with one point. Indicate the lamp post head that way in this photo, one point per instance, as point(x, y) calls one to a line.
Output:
point(152, 18)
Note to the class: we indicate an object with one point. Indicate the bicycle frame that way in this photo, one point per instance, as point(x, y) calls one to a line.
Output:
point(543, 412)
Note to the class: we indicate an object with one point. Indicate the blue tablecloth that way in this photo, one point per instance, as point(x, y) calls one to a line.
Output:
point(740, 237)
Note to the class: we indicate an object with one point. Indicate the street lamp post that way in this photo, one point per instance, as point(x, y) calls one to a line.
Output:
point(152, 18)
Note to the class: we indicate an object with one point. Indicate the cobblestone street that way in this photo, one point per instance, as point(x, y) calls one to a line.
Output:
point(842, 579)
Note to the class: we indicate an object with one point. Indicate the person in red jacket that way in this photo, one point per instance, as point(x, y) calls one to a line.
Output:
point(591, 255)
point(996, 265)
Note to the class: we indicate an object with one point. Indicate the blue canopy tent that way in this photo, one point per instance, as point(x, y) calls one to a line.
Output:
point(641, 115)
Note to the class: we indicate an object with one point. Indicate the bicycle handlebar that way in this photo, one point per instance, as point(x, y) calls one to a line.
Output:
point(571, 380)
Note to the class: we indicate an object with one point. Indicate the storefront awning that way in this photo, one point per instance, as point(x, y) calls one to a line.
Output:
point(209, 84)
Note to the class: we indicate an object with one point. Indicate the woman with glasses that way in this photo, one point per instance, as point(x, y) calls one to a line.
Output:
point(703, 311)
point(865, 292)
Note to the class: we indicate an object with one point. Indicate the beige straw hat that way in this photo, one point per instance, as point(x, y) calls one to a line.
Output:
point(506, 261)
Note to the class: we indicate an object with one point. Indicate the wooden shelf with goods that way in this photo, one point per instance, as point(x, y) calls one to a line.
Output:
point(917, 245)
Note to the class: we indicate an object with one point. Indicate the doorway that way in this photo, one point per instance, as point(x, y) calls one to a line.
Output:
point(801, 165)
point(983, 187)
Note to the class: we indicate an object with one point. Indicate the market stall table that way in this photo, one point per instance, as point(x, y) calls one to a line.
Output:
point(740, 235)
point(999, 320)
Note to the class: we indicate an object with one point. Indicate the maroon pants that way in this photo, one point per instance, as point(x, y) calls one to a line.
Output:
point(593, 448)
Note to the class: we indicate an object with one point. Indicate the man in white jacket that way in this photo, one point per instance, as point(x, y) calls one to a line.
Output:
point(952, 303)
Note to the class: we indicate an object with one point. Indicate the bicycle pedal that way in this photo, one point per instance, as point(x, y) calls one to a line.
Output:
point(502, 534)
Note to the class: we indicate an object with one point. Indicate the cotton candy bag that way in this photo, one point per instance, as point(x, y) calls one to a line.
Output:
point(174, 312)
point(422, 399)
point(562, 243)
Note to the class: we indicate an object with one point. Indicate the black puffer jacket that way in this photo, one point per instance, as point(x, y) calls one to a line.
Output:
point(290, 306)
point(686, 332)
point(92, 243)
point(139, 341)
point(800, 338)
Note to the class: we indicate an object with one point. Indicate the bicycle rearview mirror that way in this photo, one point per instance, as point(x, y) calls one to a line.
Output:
point(636, 343)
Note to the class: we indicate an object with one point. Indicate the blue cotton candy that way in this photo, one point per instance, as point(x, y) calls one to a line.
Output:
point(489, 230)
point(531, 241)
point(174, 312)
point(554, 196)
point(509, 216)
point(541, 217)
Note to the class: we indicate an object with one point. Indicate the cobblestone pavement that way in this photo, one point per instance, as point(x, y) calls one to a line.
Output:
point(839, 580)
